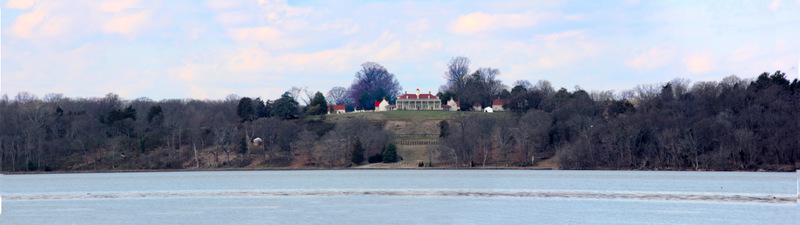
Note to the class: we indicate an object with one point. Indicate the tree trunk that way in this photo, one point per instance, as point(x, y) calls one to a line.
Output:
point(196, 160)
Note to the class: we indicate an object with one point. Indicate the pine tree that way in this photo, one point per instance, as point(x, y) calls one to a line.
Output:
point(390, 153)
point(358, 153)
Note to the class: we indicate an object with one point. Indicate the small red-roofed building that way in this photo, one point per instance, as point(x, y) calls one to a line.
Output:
point(497, 105)
point(339, 109)
point(452, 105)
point(383, 106)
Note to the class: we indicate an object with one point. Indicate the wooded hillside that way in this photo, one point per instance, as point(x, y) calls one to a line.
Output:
point(733, 124)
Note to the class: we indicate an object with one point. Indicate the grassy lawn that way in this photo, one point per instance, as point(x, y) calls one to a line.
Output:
point(401, 138)
point(406, 115)
point(412, 153)
point(417, 115)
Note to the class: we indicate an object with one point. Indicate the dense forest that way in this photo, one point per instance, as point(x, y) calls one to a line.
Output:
point(734, 124)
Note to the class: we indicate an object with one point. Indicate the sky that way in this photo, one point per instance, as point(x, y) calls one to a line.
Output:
point(176, 49)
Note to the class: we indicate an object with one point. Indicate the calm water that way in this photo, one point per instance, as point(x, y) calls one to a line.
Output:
point(401, 197)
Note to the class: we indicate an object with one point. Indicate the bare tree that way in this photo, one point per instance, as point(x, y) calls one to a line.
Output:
point(223, 137)
point(523, 83)
point(533, 127)
point(337, 96)
point(305, 146)
point(301, 94)
point(113, 146)
point(505, 133)
point(545, 87)
point(456, 75)
point(267, 130)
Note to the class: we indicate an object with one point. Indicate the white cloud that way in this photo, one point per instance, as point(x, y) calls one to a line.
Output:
point(233, 18)
point(561, 35)
point(127, 23)
point(253, 33)
point(117, 6)
point(20, 4)
point(478, 21)
point(654, 58)
point(220, 5)
point(278, 11)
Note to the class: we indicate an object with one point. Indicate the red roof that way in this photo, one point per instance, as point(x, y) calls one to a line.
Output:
point(338, 107)
point(377, 104)
point(458, 104)
point(421, 96)
point(499, 101)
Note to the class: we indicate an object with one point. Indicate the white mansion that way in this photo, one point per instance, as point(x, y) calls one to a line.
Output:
point(418, 102)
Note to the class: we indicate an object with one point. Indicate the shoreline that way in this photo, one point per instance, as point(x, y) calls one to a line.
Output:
point(353, 168)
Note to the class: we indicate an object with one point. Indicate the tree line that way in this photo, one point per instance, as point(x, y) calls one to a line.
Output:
point(106, 133)
point(734, 124)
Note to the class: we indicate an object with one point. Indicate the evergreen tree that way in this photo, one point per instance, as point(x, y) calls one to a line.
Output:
point(390, 153)
point(318, 105)
point(358, 153)
point(243, 145)
point(245, 109)
point(285, 107)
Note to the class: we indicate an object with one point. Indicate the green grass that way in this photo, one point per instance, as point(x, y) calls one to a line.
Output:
point(406, 115)
point(417, 115)
point(412, 153)
point(416, 138)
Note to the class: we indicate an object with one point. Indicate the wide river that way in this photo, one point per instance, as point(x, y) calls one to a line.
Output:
point(401, 197)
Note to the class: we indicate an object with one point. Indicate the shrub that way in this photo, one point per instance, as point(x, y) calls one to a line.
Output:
point(376, 158)
point(420, 164)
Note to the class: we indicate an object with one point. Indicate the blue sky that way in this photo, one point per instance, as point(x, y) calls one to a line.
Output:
point(209, 49)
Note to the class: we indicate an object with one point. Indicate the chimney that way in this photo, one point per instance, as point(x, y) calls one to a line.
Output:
point(417, 93)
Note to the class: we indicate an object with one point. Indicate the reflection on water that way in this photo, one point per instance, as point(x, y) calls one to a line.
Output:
point(639, 196)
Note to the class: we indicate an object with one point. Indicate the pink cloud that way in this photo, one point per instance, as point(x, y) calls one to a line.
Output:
point(24, 25)
point(478, 21)
point(20, 4)
point(698, 63)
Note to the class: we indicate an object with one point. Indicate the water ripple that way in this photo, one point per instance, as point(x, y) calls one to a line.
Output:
point(639, 196)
